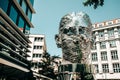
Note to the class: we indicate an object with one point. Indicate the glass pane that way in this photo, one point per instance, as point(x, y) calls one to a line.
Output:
point(24, 6)
point(29, 14)
point(27, 27)
point(21, 23)
point(4, 4)
point(32, 2)
point(13, 11)
point(103, 55)
point(111, 32)
point(119, 30)
point(101, 34)
point(18, 1)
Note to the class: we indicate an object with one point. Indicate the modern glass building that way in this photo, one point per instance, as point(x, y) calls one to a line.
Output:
point(15, 22)
point(20, 12)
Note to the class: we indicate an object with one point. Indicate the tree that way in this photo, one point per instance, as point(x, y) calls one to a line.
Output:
point(94, 3)
point(47, 69)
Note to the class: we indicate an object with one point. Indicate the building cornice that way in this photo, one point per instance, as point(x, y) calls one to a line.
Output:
point(106, 27)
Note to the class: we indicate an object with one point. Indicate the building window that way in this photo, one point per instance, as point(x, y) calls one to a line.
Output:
point(24, 6)
point(114, 55)
point(94, 56)
point(94, 47)
point(118, 20)
point(36, 55)
point(18, 1)
point(111, 32)
point(104, 55)
point(35, 39)
point(100, 25)
point(27, 27)
point(37, 47)
point(110, 22)
point(96, 68)
point(29, 14)
point(21, 22)
point(13, 11)
point(32, 1)
point(102, 45)
point(105, 68)
point(4, 4)
point(35, 65)
point(33, 55)
point(38, 39)
point(112, 44)
point(119, 31)
point(116, 67)
point(101, 33)
point(40, 55)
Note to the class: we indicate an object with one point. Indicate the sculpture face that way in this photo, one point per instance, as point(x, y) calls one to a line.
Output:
point(75, 37)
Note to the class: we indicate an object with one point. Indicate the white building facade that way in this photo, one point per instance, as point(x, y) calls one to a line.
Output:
point(105, 55)
point(38, 47)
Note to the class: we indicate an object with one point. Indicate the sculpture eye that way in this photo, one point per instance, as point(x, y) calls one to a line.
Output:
point(65, 31)
point(81, 30)
point(71, 31)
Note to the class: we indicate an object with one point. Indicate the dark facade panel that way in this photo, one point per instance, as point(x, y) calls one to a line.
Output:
point(4, 4)
point(15, 14)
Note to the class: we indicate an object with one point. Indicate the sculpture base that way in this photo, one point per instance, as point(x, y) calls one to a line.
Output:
point(73, 71)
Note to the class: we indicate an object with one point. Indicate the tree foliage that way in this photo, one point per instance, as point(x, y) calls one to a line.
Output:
point(47, 69)
point(94, 3)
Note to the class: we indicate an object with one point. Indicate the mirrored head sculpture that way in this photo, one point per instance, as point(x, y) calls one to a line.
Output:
point(75, 37)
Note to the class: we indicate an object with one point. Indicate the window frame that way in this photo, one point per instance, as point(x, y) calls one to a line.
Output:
point(112, 43)
point(104, 56)
point(96, 68)
point(103, 45)
point(114, 55)
point(13, 8)
point(116, 67)
point(105, 68)
point(110, 32)
point(101, 33)
point(94, 56)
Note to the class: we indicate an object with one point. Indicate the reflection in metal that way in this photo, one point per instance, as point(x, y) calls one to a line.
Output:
point(75, 39)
